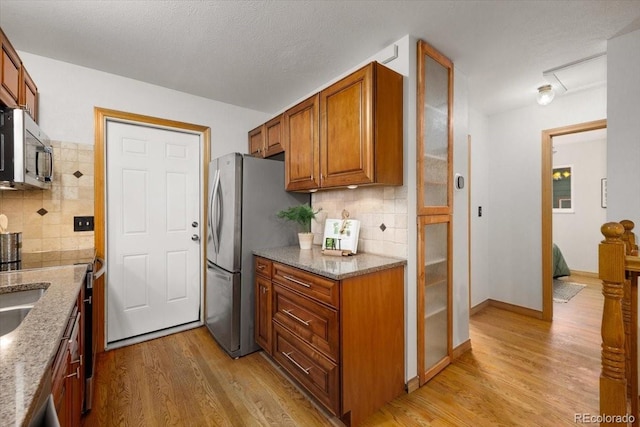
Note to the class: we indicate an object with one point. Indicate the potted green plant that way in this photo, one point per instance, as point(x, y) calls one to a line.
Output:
point(302, 215)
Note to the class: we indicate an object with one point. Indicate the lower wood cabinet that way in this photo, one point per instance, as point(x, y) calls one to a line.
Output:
point(263, 312)
point(67, 369)
point(342, 340)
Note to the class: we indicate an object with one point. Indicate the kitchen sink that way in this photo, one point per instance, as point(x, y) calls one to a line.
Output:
point(14, 307)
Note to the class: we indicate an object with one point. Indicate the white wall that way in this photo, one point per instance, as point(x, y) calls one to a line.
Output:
point(623, 128)
point(479, 187)
point(577, 233)
point(460, 210)
point(515, 230)
point(68, 94)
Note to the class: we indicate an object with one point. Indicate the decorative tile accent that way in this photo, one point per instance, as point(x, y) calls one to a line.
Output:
point(382, 212)
point(70, 195)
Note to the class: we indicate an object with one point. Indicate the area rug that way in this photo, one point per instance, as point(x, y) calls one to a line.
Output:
point(564, 291)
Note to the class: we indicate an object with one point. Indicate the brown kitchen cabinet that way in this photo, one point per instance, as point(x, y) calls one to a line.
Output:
point(10, 77)
point(266, 139)
point(67, 369)
point(29, 95)
point(342, 340)
point(302, 144)
point(17, 89)
point(351, 133)
point(263, 303)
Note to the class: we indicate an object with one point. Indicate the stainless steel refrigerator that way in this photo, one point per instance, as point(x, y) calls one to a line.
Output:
point(245, 194)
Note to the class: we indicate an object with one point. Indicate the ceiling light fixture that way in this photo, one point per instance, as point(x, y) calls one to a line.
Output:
point(545, 95)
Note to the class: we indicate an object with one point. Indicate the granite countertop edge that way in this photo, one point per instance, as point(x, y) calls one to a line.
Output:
point(332, 267)
point(27, 352)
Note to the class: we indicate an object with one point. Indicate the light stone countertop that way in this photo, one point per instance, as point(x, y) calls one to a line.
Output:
point(332, 267)
point(27, 352)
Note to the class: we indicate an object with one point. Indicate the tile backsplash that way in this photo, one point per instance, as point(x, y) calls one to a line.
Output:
point(382, 212)
point(45, 217)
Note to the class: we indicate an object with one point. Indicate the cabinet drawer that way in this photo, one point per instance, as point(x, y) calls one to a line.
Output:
point(317, 287)
point(315, 372)
point(263, 267)
point(315, 323)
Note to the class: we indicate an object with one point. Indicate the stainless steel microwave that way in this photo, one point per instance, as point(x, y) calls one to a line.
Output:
point(26, 155)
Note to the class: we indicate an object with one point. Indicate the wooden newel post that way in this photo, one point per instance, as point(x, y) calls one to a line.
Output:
point(628, 237)
point(613, 383)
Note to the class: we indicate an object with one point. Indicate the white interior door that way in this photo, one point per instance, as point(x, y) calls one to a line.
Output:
point(153, 213)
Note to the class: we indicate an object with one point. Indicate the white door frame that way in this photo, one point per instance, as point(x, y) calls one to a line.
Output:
point(101, 116)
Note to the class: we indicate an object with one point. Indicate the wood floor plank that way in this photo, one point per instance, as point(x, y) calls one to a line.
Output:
point(520, 372)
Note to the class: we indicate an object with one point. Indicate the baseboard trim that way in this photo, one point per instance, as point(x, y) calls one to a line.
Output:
point(479, 307)
point(413, 384)
point(516, 309)
point(584, 273)
point(461, 349)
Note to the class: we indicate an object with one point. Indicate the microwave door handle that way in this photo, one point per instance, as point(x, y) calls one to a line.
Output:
point(50, 177)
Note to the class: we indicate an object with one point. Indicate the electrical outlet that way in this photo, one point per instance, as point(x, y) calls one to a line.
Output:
point(82, 223)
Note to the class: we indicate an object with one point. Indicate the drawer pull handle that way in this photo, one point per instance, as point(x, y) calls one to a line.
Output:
point(287, 355)
point(288, 312)
point(261, 267)
point(306, 285)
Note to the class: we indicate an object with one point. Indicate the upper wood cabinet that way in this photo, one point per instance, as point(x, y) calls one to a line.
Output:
point(435, 131)
point(348, 134)
point(17, 89)
point(29, 95)
point(302, 146)
point(266, 139)
point(10, 78)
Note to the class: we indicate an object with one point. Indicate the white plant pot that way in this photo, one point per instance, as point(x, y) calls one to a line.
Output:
point(305, 240)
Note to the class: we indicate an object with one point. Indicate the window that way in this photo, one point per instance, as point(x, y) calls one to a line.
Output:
point(562, 189)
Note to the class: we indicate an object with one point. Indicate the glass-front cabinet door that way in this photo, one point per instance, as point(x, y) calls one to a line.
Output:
point(435, 99)
point(434, 295)
point(435, 207)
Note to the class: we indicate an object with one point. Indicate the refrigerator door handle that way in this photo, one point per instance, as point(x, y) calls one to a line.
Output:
point(214, 211)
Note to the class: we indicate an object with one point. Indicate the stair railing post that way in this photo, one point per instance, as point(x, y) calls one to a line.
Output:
point(613, 382)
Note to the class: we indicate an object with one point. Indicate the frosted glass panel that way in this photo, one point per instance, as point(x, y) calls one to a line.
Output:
point(435, 293)
point(436, 133)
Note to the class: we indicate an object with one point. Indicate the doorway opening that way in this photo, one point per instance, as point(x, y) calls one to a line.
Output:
point(547, 206)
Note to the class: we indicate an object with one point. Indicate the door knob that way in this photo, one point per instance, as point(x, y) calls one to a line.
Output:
point(194, 224)
point(195, 237)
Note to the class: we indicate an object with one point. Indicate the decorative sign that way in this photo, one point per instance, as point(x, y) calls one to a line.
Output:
point(341, 234)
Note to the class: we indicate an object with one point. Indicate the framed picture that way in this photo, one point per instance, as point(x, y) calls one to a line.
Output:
point(603, 192)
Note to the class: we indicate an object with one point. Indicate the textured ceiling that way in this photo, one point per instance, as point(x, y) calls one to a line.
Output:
point(265, 55)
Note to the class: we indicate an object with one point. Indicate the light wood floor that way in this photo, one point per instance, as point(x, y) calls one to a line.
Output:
point(520, 372)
